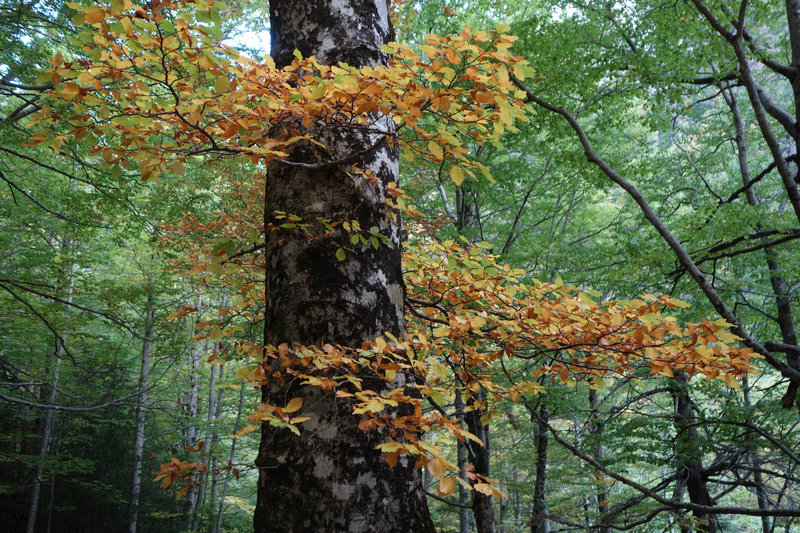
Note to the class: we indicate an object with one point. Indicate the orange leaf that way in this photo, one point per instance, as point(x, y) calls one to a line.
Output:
point(446, 486)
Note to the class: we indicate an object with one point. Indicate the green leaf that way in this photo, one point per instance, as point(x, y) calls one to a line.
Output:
point(340, 255)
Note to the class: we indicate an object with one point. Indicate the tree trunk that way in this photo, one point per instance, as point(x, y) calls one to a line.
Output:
point(215, 437)
point(331, 477)
point(596, 430)
point(540, 523)
point(689, 452)
point(758, 481)
point(47, 425)
point(231, 456)
point(193, 362)
point(212, 414)
point(480, 458)
point(777, 281)
point(141, 411)
point(461, 454)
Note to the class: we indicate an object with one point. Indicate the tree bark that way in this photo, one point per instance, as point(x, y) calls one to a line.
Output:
point(141, 411)
point(779, 285)
point(47, 424)
point(461, 454)
point(596, 430)
point(481, 459)
point(331, 477)
point(540, 523)
point(689, 452)
point(231, 456)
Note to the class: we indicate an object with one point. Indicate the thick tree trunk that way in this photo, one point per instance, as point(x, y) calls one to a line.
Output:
point(141, 411)
point(331, 477)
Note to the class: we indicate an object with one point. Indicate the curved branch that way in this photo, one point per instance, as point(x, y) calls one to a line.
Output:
point(680, 252)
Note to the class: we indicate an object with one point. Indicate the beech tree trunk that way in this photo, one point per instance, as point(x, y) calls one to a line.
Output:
point(141, 413)
point(331, 477)
point(689, 452)
point(47, 424)
point(480, 458)
point(596, 429)
point(540, 523)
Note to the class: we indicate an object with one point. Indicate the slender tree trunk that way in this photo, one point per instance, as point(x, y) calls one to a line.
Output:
point(215, 438)
point(596, 430)
point(689, 452)
point(779, 287)
point(47, 424)
point(331, 477)
point(203, 481)
point(480, 458)
point(540, 523)
point(141, 411)
point(231, 456)
point(461, 454)
point(758, 481)
point(210, 435)
point(192, 410)
point(677, 495)
point(47, 427)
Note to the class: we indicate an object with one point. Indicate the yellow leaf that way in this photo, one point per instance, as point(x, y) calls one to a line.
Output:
point(732, 381)
point(677, 303)
point(294, 405)
point(484, 488)
point(457, 175)
point(389, 447)
point(436, 150)
point(318, 91)
point(94, 15)
point(443, 331)
point(478, 322)
point(245, 430)
point(380, 343)
point(221, 85)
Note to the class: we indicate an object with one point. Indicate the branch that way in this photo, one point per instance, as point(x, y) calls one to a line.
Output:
point(240, 253)
point(56, 407)
point(328, 165)
point(36, 202)
point(758, 178)
point(769, 244)
point(448, 502)
point(705, 509)
point(107, 316)
point(680, 252)
point(778, 113)
point(44, 87)
point(735, 40)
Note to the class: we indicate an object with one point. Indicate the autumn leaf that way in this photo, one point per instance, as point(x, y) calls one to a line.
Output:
point(294, 405)
point(446, 486)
